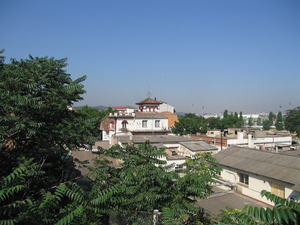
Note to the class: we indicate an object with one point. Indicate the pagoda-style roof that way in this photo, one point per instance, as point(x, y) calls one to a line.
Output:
point(148, 101)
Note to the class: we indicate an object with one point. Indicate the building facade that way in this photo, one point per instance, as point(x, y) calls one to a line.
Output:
point(250, 171)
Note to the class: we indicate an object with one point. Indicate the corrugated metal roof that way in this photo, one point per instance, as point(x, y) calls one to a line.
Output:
point(282, 167)
point(160, 140)
point(198, 146)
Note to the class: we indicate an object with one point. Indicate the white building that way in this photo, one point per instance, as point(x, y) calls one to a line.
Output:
point(248, 137)
point(127, 122)
point(251, 171)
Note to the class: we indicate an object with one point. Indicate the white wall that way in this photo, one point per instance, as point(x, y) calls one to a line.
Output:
point(105, 135)
point(170, 161)
point(264, 141)
point(256, 185)
point(166, 108)
point(137, 126)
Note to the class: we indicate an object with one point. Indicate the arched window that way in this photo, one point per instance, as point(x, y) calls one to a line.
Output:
point(124, 123)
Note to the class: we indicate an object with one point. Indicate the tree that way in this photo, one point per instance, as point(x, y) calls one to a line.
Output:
point(236, 118)
point(259, 121)
point(35, 120)
point(292, 120)
point(93, 117)
point(250, 122)
point(271, 117)
point(225, 114)
point(279, 122)
point(65, 204)
point(228, 122)
point(214, 123)
point(240, 122)
point(190, 124)
point(143, 182)
point(267, 124)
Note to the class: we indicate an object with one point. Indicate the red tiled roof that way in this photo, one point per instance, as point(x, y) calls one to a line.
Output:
point(148, 101)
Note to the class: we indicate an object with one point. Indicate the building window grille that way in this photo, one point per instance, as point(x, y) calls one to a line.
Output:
point(144, 123)
point(244, 178)
point(277, 189)
point(157, 123)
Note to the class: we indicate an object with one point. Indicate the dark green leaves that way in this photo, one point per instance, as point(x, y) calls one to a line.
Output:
point(292, 120)
point(284, 212)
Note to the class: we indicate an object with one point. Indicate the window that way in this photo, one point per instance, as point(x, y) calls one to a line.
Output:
point(157, 123)
point(244, 178)
point(144, 123)
point(277, 189)
point(124, 122)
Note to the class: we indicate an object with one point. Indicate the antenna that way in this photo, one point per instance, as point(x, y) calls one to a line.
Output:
point(148, 92)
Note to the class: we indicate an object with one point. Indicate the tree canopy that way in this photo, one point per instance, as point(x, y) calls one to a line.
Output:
point(35, 96)
point(190, 124)
point(279, 122)
point(292, 120)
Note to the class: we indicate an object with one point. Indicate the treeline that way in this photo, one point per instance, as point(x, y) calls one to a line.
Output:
point(192, 124)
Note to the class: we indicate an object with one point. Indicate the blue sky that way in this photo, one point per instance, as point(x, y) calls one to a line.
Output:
point(217, 54)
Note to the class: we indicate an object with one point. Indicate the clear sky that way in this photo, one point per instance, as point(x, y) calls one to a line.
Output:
point(198, 56)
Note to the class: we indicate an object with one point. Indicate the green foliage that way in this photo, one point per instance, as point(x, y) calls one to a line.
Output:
point(37, 133)
point(35, 94)
point(225, 114)
point(250, 122)
point(214, 123)
point(292, 120)
point(10, 187)
point(271, 116)
point(230, 216)
point(267, 124)
point(284, 212)
point(190, 124)
point(232, 120)
point(143, 181)
point(279, 122)
point(259, 121)
point(65, 204)
point(92, 118)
